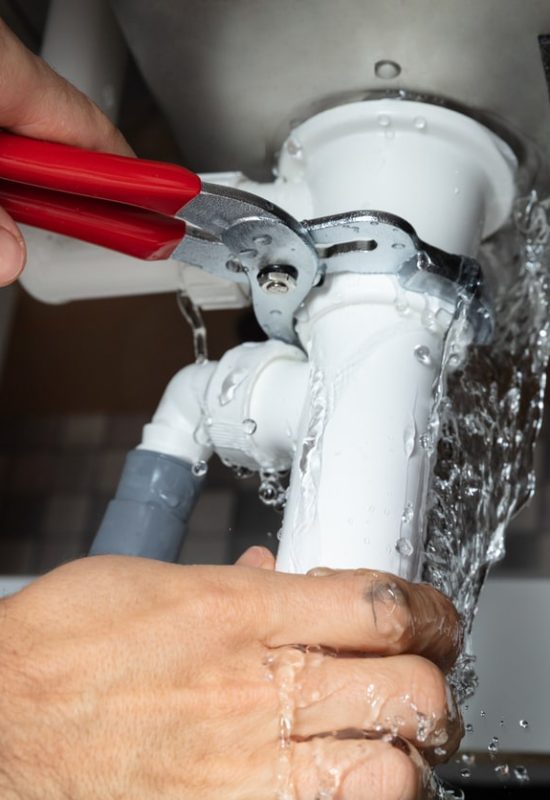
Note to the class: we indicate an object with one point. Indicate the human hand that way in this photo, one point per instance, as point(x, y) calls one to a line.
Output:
point(36, 102)
point(124, 677)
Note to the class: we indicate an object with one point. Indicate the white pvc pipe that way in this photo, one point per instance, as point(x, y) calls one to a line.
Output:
point(177, 421)
point(246, 408)
point(359, 476)
point(254, 403)
point(447, 175)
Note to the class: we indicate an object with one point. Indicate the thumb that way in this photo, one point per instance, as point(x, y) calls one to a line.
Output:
point(12, 250)
point(259, 557)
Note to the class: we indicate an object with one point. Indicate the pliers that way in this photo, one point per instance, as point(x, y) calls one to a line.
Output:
point(155, 210)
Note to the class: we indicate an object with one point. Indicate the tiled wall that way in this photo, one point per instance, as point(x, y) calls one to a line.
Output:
point(57, 475)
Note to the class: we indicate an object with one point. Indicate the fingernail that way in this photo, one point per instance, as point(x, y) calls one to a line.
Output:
point(256, 556)
point(320, 572)
point(12, 257)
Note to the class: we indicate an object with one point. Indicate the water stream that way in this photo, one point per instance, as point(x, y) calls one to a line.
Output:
point(486, 416)
point(488, 413)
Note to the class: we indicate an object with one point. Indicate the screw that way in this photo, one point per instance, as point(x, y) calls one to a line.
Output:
point(277, 280)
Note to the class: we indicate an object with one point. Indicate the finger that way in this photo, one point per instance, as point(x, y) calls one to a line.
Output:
point(362, 610)
point(405, 695)
point(36, 102)
point(12, 250)
point(357, 770)
point(259, 557)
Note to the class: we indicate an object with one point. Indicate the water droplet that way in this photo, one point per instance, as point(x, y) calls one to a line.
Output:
point(423, 355)
point(267, 492)
point(384, 120)
point(521, 774)
point(249, 426)
point(398, 245)
point(199, 468)
point(420, 123)
point(408, 514)
point(404, 547)
point(440, 751)
point(230, 385)
point(501, 723)
point(492, 747)
point(502, 770)
point(454, 360)
point(422, 260)
point(523, 723)
point(426, 441)
point(482, 713)
point(465, 773)
point(200, 435)
point(469, 728)
point(456, 190)
point(294, 148)
point(428, 319)
point(242, 473)
point(171, 500)
point(468, 758)
point(387, 70)
point(409, 438)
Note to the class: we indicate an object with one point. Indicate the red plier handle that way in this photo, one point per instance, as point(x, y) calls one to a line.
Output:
point(125, 204)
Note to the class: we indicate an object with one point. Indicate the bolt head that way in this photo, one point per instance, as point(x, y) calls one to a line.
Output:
point(276, 280)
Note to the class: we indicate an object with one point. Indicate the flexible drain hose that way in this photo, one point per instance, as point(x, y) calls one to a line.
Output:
point(150, 512)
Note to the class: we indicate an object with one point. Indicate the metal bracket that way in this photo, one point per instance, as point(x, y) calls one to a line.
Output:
point(249, 240)
point(378, 243)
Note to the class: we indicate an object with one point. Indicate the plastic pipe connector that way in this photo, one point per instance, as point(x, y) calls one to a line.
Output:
point(173, 429)
point(149, 515)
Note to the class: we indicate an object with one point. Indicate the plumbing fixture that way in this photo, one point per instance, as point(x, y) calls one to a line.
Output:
point(358, 291)
point(360, 307)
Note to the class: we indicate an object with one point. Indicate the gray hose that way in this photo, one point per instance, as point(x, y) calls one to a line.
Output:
point(154, 500)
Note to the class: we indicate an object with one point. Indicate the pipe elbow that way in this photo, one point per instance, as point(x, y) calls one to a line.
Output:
point(173, 429)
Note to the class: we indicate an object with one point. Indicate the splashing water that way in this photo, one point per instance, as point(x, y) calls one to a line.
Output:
point(193, 316)
point(488, 413)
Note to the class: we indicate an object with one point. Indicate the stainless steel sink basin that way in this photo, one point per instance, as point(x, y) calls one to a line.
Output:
point(234, 76)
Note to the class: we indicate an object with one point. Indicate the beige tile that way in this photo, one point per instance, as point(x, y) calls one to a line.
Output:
point(33, 472)
point(125, 430)
point(108, 470)
point(84, 429)
point(75, 471)
point(213, 512)
point(66, 515)
point(17, 555)
point(52, 555)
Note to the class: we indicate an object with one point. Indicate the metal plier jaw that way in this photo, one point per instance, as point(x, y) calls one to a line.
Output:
point(155, 210)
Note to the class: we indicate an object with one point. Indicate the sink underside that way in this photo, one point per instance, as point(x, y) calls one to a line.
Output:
point(234, 76)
